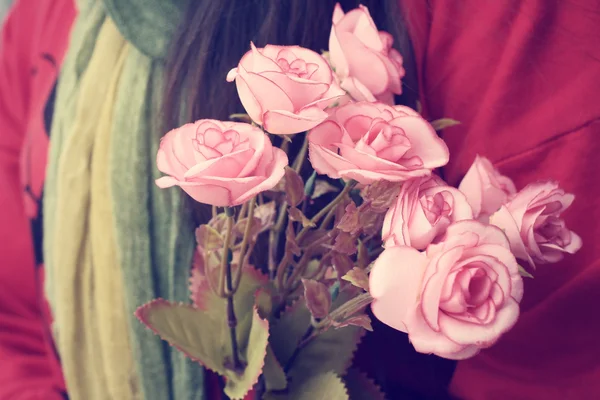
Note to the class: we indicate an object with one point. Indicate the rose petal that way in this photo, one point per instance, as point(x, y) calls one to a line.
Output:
point(300, 91)
point(363, 63)
point(336, 55)
point(284, 122)
point(228, 166)
point(273, 176)
point(434, 280)
point(504, 220)
point(472, 333)
point(357, 90)
point(425, 339)
point(466, 352)
point(266, 92)
point(207, 194)
point(257, 62)
point(425, 143)
point(338, 13)
point(166, 182)
point(367, 177)
point(394, 283)
point(366, 31)
point(327, 162)
point(249, 101)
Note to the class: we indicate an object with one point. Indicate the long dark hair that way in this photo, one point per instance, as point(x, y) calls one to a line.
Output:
point(216, 33)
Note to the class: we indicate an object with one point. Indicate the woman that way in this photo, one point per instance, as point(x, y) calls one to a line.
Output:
point(112, 240)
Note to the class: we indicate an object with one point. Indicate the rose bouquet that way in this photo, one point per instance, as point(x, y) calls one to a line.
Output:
point(301, 242)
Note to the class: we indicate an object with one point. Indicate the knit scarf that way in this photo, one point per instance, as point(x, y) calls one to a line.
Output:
point(114, 241)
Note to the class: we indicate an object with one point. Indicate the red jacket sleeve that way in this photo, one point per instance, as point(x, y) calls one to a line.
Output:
point(26, 365)
point(523, 78)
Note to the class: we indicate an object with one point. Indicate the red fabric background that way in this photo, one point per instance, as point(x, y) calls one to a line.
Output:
point(523, 77)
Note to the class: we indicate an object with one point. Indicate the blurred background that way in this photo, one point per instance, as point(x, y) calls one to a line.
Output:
point(4, 6)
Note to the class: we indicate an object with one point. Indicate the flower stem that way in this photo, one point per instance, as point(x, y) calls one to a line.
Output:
point(274, 239)
point(287, 257)
point(348, 309)
point(245, 241)
point(225, 256)
point(304, 340)
point(299, 161)
point(231, 318)
point(232, 323)
point(349, 186)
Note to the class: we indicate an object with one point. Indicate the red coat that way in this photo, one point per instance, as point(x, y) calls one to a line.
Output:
point(34, 39)
point(522, 76)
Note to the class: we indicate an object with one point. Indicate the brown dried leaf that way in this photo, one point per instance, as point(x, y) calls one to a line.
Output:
point(345, 243)
point(358, 278)
point(341, 262)
point(340, 210)
point(208, 238)
point(362, 259)
point(255, 229)
point(294, 187)
point(381, 195)
point(349, 222)
point(370, 221)
point(317, 239)
point(362, 321)
point(218, 222)
point(266, 214)
point(317, 297)
point(323, 187)
point(296, 215)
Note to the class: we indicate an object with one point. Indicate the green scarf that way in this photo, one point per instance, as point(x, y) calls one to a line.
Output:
point(153, 229)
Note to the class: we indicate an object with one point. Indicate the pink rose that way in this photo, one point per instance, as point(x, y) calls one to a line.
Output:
point(285, 88)
point(486, 189)
point(363, 58)
point(220, 163)
point(424, 209)
point(454, 299)
point(369, 142)
point(531, 220)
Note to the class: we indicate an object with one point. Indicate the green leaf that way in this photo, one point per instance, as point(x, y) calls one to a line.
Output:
point(203, 334)
point(361, 387)
point(325, 386)
point(443, 123)
point(273, 373)
point(256, 349)
point(309, 186)
point(328, 351)
point(263, 299)
point(524, 272)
